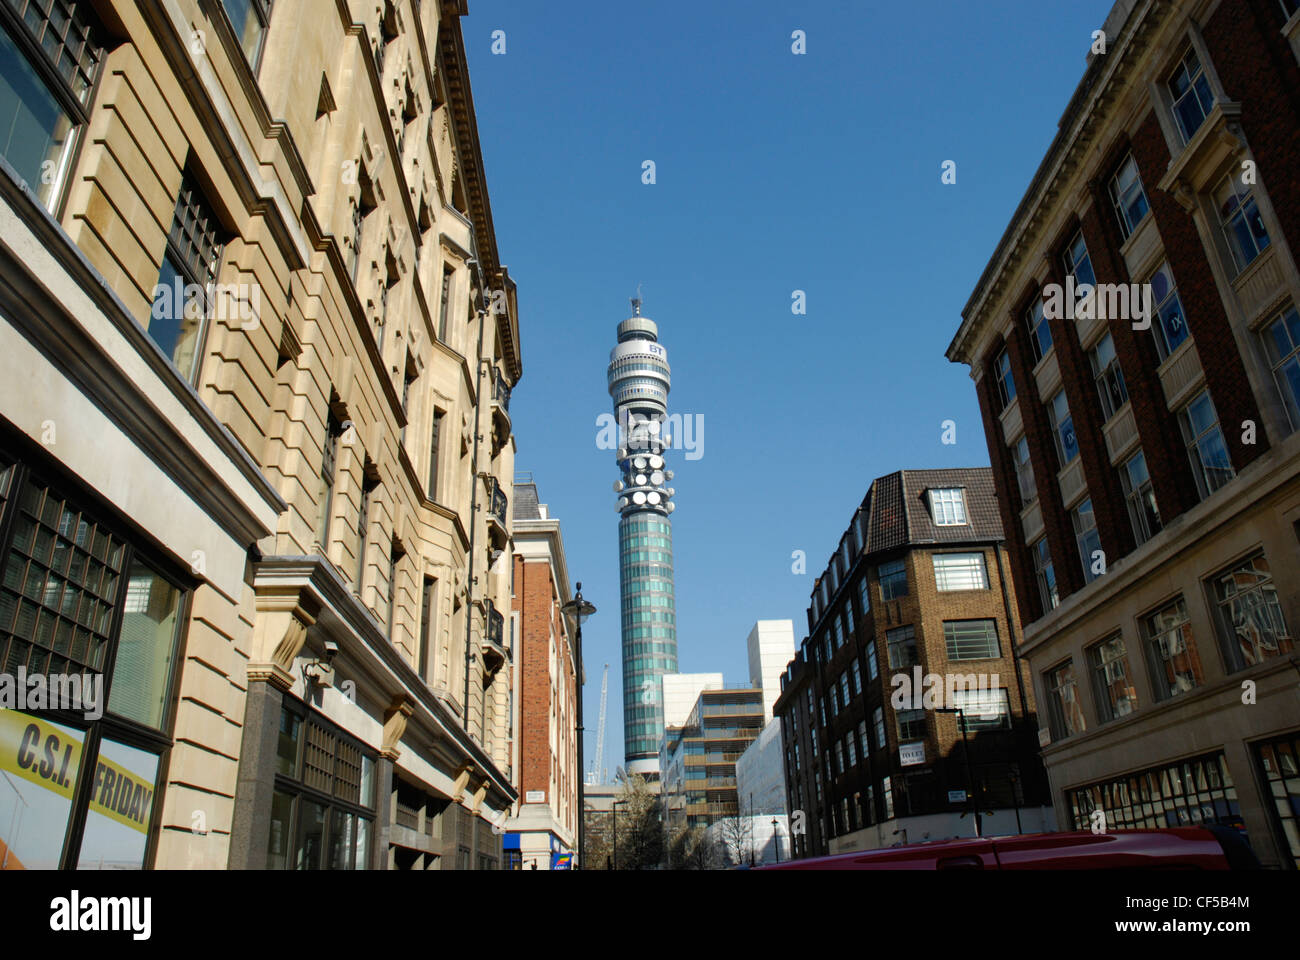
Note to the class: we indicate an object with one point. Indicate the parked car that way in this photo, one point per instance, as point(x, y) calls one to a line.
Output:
point(1179, 848)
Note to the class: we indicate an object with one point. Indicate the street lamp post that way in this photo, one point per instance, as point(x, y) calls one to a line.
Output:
point(970, 779)
point(614, 843)
point(575, 612)
point(776, 838)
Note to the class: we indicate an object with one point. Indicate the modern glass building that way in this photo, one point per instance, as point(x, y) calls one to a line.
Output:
point(639, 380)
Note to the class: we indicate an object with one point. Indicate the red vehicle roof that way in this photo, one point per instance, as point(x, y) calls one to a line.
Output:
point(1191, 848)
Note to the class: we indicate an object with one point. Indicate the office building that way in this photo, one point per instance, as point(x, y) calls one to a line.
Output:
point(771, 647)
point(1147, 462)
point(256, 353)
point(760, 784)
point(543, 831)
point(698, 760)
point(913, 616)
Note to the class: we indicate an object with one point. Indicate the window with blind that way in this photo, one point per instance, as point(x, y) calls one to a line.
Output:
point(84, 604)
point(971, 639)
point(50, 56)
point(960, 571)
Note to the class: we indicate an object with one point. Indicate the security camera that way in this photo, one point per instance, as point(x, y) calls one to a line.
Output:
point(331, 650)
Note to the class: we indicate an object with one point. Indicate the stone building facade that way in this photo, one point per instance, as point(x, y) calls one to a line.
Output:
point(259, 338)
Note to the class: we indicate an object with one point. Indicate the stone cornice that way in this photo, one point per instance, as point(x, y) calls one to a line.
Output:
point(1089, 106)
point(364, 644)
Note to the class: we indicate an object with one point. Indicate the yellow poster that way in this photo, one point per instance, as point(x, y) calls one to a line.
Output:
point(47, 756)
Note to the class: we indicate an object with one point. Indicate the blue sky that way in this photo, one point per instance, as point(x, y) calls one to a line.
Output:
point(774, 173)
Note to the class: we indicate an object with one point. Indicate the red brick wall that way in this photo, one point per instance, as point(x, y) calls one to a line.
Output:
point(533, 592)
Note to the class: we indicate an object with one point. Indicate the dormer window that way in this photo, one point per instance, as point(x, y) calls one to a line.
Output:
point(948, 507)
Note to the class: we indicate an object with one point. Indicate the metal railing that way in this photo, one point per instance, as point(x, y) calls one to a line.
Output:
point(407, 816)
point(495, 625)
point(499, 502)
point(501, 390)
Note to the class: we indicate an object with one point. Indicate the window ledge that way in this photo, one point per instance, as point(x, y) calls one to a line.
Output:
point(1219, 137)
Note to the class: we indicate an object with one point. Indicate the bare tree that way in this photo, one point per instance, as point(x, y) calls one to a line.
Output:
point(640, 830)
point(737, 834)
point(692, 848)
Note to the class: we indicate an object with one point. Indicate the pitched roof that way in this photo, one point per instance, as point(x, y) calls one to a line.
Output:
point(525, 502)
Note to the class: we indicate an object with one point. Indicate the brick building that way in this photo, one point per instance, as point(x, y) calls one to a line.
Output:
point(1148, 468)
point(544, 826)
point(256, 347)
point(915, 589)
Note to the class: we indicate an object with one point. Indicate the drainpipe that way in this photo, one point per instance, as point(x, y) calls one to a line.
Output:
point(1011, 629)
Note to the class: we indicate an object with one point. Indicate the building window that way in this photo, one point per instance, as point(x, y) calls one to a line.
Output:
point(187, 281)
point(1040, 334)
point(893, 580)
point(329, 464)
point(960, 571)
point(1140, 497)
point(844, 689)
point(445, 302)
point(887, 793)
point(1251, 626)
point(848, 618)
point(1109, 377)
point(323, 807)
point(50, 55)
point(1171, 651)
point(948, 507)
point(971, 639)
point(983, 710)
point(864, 595)
point(1045, 575)
point(81, 604)
point(850, 750)
point(1169, 325)
point(1127, 195)
point(249, 19)
point(1089, 541)
point(1066, 713)
point(1077, 262)
point(1243, 227)
point(1024, 470)
point(1004, 379)
point(1209, 455)
point(878, 721)
point(1282, 344)
point(901, 644)
point(856, 684)
point(1067, 444)
point(363, 531)
point(1192, 99)
point(1112, 681)
point(911, 724)
point(428, 609)
point(434, 450)
point(1182, 794)
point(1276, 762)
point(872, 671)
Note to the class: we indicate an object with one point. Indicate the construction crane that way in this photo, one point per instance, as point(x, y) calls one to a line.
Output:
point(598, 761)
